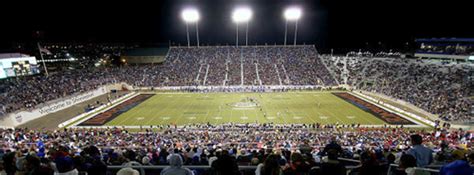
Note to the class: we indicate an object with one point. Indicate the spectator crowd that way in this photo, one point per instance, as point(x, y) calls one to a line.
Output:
point(291, 149)
point(444, 90)
point(214, 66)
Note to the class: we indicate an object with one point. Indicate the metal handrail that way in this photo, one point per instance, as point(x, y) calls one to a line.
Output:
point(429, 168)
point(241, 167)
point(142, 168)
point(158, 167)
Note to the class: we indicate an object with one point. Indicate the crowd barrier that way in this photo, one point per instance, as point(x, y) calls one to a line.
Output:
point(21, 117)
point(204, 169)
point(80, 118)
point(238, 88)
point(430, 170)
point(395, 110)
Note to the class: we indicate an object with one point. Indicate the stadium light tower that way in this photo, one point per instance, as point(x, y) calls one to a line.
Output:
point(241, 15)
point(191, 15)
point(292, 14)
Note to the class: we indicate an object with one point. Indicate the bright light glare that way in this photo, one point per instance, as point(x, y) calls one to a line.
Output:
point(241, 15)
point(293, 13)
point(190, 15)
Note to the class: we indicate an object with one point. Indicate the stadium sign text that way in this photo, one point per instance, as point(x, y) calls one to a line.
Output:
point(21, 117)
point(66, 103)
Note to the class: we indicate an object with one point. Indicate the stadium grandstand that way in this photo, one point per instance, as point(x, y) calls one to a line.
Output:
point(74, 108)
point(144, 55)
point(451, 49)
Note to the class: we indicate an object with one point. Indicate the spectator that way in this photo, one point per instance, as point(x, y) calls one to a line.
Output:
point(369, 165)
point(407, 161)
point(423, 155)
point(128, 171)
point(225, 164)
point(270, 166)
point(459, 165)
point(175, 168)
point(298, 166)
point(332, 166)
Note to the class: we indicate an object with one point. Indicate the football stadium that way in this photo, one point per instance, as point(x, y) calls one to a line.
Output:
point(245, 98)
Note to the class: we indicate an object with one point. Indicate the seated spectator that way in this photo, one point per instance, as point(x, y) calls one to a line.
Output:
point(423, 155)
point(128, 171)
point(332, 166)
point(270, 166)
point(459, 165)
point(225, 164)
point(406, 161)
point(65, 166)
point(175, 168)
point(297, 165)
point(471, 158)
point(369, 163)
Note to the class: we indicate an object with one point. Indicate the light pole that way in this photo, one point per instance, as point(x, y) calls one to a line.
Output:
point(292, 14)
point(187, 34)
point(247, 34)
point(237, 35)
point(238, 16)
point(286, 30)
point(191, 16)
point(197, 33)
point(296, 33)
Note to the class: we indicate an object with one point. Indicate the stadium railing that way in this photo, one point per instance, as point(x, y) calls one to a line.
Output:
point(429, 170)
point(143, 168)
point(242, 168)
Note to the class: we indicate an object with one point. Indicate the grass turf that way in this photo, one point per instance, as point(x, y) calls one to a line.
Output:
point(215, 108)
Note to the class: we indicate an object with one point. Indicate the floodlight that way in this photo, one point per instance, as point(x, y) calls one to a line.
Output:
point(190, 15)
point(292, 13)
point(241, 15)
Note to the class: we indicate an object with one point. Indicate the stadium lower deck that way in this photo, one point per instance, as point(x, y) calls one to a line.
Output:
point(306, 107)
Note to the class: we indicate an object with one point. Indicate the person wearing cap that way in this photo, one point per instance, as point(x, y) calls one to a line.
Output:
point(459, 166)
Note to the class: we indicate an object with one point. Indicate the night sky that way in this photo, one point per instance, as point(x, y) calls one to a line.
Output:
point(338, 24)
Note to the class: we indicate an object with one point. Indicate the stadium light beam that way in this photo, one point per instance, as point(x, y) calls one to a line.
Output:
point(191, 15)
point(292, 14)
point(241, 15)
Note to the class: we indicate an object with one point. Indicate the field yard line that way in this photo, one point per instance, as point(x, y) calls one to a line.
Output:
point(307, 116)
point(169, 105)
point(177, 118)
point(284, 118)
point(335, 116)
point(231, 114)
point(220, 111)
point(157, 115)
point(207, 116)
point(314, 92)
point(256, 114)
point(371, 122)
point(319, 114)
point(363, 118)
point(132, 116)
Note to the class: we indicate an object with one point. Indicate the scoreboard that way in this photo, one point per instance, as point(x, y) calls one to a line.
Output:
point(18, 66)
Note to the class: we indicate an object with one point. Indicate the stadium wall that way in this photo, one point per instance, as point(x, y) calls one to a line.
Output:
point(21, 117)
point(404, 103)
point(396, 110)
point(85, 116)
point(143, 59)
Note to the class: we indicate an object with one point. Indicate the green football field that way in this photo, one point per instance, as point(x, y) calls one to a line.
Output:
point(215, 108)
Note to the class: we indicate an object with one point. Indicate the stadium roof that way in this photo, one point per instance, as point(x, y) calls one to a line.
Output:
point(161, 51)
point(12, 55)
point(444, 40)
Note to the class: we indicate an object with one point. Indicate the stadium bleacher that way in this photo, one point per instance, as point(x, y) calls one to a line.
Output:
point(231, 148)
